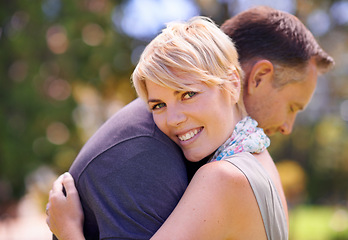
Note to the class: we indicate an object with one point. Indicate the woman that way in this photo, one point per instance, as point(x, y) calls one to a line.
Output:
point(190, 77)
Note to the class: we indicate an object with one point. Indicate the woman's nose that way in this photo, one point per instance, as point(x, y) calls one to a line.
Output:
point(175, 116)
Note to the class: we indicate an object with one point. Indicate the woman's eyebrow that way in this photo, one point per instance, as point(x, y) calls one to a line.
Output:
point(153, 100)
point(158, 100)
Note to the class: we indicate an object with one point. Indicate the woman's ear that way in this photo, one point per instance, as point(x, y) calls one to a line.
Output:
point(261, 74)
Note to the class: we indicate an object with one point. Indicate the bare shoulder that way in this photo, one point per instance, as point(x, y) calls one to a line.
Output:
point(229, 187)
point(222, 177)
point(217, 204)
point(224, 183)
point(222, 172)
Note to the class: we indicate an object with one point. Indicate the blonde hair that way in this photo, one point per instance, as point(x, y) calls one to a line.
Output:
point(198, 49)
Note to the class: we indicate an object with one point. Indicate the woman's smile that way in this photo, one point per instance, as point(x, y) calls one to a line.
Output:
point(189, 135)
point(198, 121)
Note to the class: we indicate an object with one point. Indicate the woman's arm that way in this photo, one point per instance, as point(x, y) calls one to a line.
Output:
point(218, 204)
point(64, 213)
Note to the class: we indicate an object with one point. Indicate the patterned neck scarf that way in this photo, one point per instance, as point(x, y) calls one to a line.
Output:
point(246, 137)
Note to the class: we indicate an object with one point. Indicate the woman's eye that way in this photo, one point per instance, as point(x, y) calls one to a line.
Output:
point(158, 106)
point(188, 95)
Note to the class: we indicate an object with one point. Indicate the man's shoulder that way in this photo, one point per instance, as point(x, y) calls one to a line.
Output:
point(131, 130)
point(133, 119)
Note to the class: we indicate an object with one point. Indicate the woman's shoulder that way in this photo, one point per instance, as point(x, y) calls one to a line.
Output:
point(222, 171)
point(230, 192)
point(222, 177)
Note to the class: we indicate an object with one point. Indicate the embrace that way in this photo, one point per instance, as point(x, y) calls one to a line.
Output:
point(189, 159)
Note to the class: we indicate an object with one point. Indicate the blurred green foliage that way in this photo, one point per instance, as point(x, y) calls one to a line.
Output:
point(43, 56)
point(321, 149)
point(65, 69)
point(318, 223)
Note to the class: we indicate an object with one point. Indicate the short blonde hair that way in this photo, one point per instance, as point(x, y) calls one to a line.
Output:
point(197, 48)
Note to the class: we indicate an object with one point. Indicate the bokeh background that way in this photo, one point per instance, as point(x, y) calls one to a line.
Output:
point(65, 68)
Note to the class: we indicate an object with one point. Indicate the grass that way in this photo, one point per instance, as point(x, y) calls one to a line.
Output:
point(318, 223)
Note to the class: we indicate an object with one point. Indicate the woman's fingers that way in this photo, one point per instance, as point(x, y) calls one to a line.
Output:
point(64, 211)
point(58, 184)
point(69, 185)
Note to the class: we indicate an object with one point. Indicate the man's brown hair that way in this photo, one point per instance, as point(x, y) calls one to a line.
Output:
point(266, 33)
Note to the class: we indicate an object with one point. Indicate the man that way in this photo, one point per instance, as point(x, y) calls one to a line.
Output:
point(281, 60)
point(130, 176)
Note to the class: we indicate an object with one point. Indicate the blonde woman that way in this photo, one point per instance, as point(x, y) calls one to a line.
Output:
point(190, 78)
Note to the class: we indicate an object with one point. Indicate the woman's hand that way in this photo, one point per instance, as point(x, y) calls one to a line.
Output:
point(64, 213)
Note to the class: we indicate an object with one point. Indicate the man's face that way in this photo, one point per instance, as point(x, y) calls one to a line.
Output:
point(275, 109)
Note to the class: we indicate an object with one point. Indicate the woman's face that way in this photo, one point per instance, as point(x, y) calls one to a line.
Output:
point(198, 121)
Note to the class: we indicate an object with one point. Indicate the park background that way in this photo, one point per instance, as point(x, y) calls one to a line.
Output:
point(65, 69)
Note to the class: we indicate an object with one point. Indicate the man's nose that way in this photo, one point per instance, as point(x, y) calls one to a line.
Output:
point(286, 128)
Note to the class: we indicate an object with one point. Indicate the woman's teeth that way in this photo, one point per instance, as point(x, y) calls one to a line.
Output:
point(188, 135)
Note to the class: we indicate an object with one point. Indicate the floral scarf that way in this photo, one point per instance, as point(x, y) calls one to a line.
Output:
point(246, 137)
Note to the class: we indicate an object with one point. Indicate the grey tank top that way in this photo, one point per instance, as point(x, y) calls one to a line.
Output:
point(266, 194)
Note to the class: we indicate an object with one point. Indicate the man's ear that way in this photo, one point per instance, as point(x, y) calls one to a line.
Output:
point(261, 73)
